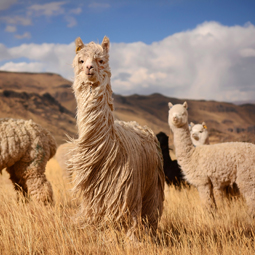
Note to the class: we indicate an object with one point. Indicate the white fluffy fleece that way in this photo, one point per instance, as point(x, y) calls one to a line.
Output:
point(213, 167)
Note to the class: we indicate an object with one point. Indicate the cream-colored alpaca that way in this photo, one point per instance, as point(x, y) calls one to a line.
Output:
point(62, 156)
point(213, 167)
point(25, 148)
point(118, 165)
point(199, 134)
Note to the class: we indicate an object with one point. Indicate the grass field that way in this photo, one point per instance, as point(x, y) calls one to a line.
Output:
point(184, 228)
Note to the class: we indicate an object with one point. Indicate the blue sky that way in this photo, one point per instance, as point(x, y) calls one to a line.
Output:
point(199, 49)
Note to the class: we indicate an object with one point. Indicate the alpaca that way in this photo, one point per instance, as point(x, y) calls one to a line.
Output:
point(213, 167)
point(173, 173)
point(25, 148)
point(118, 165)
point(62, 156)
point(199, 134)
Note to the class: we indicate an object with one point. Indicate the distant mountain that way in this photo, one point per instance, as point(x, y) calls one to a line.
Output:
point(48, 99)
point(244, 102)
point(43, 109)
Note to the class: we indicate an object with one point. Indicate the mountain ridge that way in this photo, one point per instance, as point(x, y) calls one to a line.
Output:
point(48, 99)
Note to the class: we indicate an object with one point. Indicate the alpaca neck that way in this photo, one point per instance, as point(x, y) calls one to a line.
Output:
point(94, 111)
point(184, 147)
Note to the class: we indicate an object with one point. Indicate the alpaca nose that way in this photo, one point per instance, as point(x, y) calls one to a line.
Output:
point(175, 118)
point(195, 136)
point(90, 66)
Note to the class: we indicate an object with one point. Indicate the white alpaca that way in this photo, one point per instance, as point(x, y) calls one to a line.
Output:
point(212, 167)
point(199, 134)
point(118, 165)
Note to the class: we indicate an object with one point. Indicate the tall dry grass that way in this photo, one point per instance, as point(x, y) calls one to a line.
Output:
point(29, 228)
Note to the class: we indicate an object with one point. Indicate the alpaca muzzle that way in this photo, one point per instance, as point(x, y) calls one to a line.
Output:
point(175, 119)
point(195, 136)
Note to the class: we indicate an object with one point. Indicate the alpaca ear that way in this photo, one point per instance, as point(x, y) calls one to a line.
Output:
point(170, 105)
point(106, 44)
point(204, 125)
point(78, 44)
point(185, 105)
point(191, 125)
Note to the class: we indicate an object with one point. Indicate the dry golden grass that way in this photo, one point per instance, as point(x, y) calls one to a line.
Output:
point(184, 229)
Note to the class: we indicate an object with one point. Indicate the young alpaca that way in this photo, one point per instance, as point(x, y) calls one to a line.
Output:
point(172, 170)
point(199, 134)
point(212, 167)
point(118, 165)
point(25, 148)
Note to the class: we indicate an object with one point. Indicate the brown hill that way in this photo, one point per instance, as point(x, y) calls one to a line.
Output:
point(43, 109)
point(48, 99)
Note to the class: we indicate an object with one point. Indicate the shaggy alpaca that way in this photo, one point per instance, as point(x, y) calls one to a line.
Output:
point(63, 154)
point(25, 148)
point(213, 167)
point(173, 173)
point(118, 165)
point(199, 134)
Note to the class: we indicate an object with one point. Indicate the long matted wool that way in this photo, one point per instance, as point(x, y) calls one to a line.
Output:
point(118, 165)
point(25, 148)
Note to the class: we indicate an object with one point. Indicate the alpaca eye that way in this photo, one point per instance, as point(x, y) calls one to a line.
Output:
point(101, 61)
point(82, 61)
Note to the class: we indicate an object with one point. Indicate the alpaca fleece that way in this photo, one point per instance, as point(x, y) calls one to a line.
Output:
point(213, 167)
point(199, 135)
point(63, 154)
point(25, 148)
point(118, 165)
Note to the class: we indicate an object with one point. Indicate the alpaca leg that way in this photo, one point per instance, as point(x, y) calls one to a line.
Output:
point(40, 189)
point(17, 179)
point(31, 180)
point(206, 195)
point(218, 196)
point(249, 195)
point(246, 185)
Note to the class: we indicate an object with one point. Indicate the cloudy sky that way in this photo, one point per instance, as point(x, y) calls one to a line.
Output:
point(196, 49)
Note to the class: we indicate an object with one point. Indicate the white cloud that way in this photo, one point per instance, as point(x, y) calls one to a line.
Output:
point(49, 9)
point(76, 11)
point(204, 63)
point(22, 67)
point(248, 52)
point(209, 62)
point(10, 29)
point(71, 21)
point(5, 4)
point(56, 58)
point(99, 5)
point(17, 20)
point(25, 35)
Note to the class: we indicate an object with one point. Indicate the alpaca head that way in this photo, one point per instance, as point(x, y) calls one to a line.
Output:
point(198, 133)
point(177, 115)
point(91, 63)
